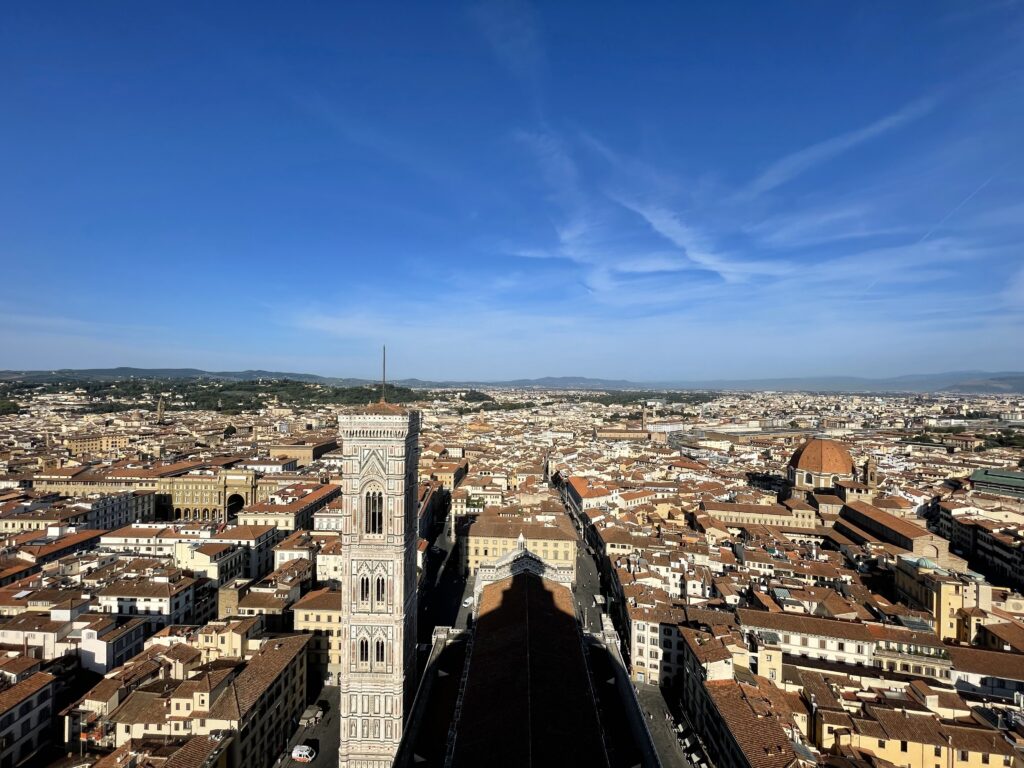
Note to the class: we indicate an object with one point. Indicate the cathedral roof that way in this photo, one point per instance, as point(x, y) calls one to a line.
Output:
point(822, 456)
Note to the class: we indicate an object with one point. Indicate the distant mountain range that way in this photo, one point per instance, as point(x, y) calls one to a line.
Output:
point(966, 382)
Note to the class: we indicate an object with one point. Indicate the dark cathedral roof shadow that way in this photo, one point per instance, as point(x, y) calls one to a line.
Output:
point(519, 689)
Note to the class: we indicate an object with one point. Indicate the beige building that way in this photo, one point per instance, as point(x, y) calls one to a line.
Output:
point(98, 511)
point(218, 561)
point(214, 494)
point(947, 595)
point(915, 740)
point(194, 489)
point(496, 532)
point(777, 515)
point(319, 614)
point(290, 509)
point(230, 639)
point(96, 443)
point(252, 703)
point(303, 451)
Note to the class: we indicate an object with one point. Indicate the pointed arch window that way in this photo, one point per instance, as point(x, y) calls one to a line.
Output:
point(373, 512)
point(379, 652)
point(364, 650)
point(364, 589)
point(380, 589)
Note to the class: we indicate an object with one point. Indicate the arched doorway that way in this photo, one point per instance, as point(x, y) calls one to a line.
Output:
point(235, 503)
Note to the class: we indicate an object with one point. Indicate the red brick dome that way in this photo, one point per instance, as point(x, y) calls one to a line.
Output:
point(824, 457)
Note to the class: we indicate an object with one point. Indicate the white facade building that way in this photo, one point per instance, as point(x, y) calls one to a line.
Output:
point(378, 578)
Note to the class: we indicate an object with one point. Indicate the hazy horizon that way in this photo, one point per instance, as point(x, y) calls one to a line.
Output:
point(370, 377)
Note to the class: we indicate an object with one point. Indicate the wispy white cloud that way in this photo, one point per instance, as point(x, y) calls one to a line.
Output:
point(820, 226)
point(696, 246)
point(791, 166)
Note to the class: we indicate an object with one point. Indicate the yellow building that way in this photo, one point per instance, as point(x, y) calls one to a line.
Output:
point(96, 443)
point(777, 515)
point(319, 614)
point(495, 532)
point(912, 740)
point(231, 639)
point(943, 593)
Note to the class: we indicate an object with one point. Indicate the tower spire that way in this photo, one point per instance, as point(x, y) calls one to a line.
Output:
point(383, 372)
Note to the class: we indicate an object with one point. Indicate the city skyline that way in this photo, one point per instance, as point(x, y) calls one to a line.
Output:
point(503, 190)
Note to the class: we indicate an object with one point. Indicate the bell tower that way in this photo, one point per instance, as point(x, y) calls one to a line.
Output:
point(380, 445)
point(871, 472)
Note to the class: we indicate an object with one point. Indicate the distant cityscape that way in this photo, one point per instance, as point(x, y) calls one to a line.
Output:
point(203, 572)
point(509, 384)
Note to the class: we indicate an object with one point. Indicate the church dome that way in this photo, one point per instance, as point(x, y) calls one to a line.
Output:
point(823, 457)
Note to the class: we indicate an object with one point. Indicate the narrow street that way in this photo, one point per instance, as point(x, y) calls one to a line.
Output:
point(324, 737)
point(443, 589)
point(588, 586)
point(661, 726)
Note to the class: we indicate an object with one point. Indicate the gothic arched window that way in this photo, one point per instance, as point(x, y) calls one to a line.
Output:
point(364, 589)
point(379, 651)
point(380, 589)
point(373, 512)
point(364, 650)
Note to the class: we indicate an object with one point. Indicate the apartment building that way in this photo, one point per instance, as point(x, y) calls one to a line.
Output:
point(98, 443)
point(289, 509)
point(915, 739)
point(777, 515)
point(160, 599)
point(159, 540)
point(303, 450)
point(319, 614)
point(943, 593)
point(496, 532)
point(26, 714)
point(220, 562)
point(251, 700)
point(96, 511)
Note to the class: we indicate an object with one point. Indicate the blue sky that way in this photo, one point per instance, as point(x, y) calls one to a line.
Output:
point(651, 191)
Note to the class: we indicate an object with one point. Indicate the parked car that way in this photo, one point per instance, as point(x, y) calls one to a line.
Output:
point(311, 715)
point(467, 602)
point(303, 753)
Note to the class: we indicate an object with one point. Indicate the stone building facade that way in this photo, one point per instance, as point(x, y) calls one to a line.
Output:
point(378, 577)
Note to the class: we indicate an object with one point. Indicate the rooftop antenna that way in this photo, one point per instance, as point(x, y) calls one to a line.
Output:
point(383, 372)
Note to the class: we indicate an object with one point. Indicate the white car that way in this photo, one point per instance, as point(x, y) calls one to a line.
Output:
point(303, 753)
point(467, 602)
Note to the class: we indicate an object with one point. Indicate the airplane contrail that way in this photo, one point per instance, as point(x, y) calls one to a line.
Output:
point(954, 209)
